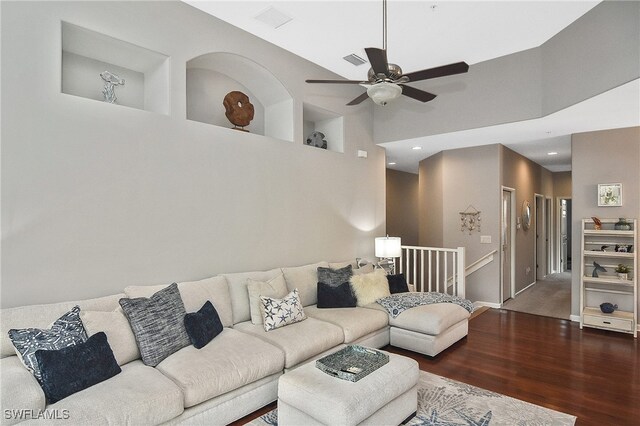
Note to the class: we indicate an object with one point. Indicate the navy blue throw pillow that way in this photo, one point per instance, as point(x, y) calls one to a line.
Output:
point(69, 370)
point(397, 284)
point(203, 326)
point(340, 296)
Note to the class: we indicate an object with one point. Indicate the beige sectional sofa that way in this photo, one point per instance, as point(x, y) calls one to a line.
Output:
point(233, 375)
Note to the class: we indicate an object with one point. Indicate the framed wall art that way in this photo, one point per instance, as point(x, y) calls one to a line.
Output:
point(609, 194)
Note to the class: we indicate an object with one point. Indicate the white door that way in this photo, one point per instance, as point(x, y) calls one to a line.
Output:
point(505, 254)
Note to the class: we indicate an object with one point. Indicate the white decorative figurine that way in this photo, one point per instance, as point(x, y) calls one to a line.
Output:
point(110, 81)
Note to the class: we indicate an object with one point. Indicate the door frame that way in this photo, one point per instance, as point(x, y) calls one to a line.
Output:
point(512, 243)
point(540, 232)
point(548, 205)
point(558, 237)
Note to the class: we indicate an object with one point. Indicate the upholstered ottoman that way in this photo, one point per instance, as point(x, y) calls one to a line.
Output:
point(388, 396)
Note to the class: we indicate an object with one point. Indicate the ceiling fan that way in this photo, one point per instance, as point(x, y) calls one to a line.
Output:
point(386, 81)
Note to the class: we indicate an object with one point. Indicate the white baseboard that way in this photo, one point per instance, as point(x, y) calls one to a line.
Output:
point(487, 304)
point(575, 318)
point(524, 289)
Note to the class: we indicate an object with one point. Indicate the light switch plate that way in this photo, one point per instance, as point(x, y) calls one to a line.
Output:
point(485, 239)
point(362, 154)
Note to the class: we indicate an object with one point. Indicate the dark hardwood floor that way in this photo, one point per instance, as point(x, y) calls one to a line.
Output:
point(592, 374)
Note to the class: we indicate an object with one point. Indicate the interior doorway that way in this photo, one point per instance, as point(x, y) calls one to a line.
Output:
point(540, 241)
point(564, 221)
point(507, 249)
point(548, 233)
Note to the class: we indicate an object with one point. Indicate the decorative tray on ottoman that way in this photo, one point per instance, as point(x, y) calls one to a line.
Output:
point(352, 363)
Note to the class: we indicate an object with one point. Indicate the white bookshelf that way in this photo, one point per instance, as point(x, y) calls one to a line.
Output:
point(599, 245)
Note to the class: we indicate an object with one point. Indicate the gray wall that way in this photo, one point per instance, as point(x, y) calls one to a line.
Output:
point(608, 156)
point(96, 197)
point(450, 181)
point(598, 52)
point(402, 206)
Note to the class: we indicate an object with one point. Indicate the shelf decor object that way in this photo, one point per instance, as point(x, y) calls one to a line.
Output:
point(608, 277)
point(238, 110)
point(316, 139)
point(110, 82)
point(609, 194)
point(470, 220)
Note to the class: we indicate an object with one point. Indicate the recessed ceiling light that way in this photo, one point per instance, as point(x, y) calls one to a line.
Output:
point(552, 153)
point(392, 163)
point(416, 148)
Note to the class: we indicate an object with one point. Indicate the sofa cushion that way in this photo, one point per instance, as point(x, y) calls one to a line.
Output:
point(203, 326)
point(74, 368)
point(354, 322)
point(370, 287)
point(65, 331)
point(158, 324)
point(41, 316)
point(275, 287)
point(231, 360)
point(430, 319)
point(194, 294)
point(338, 265)
point(238, 291)
point(139, 395)
point(19, 390)
point(366, 269)
point(282, 312)
point(119, 334)
point(299, 341)
point(339, 296)
point(397, 284)
point(305, 279)
point(335, 277)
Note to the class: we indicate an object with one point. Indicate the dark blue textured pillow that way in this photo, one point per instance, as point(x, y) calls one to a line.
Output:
point(397, 284)
point(340, 296)
point(203, 326)
point(69, 370)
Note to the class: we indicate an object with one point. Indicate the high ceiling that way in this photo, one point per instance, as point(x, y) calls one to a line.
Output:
point(424, 34)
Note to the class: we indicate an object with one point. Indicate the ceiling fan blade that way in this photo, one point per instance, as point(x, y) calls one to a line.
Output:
point(359, 99)
point(417, 94)
point(451, 69)
point(378, 60)
point(337, 81)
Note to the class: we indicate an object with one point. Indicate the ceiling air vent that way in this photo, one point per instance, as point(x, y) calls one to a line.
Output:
point(354, 59)
point(273, 17)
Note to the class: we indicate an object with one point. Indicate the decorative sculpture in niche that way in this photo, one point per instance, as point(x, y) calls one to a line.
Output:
point(597, 223)
point(238, 109)
point(316, 139)
point(110, 82)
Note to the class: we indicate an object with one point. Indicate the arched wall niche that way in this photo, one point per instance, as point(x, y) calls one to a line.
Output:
point(212, 75)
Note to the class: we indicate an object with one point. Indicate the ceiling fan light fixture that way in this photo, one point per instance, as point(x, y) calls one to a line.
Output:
point(382, 93)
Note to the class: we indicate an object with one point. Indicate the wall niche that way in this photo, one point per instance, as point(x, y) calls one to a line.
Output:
point(86, 54)
point(211, 76)
point(328, 122)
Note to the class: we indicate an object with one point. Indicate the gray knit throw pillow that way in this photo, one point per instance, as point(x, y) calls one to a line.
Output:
point(157, 323)
point(334, 277)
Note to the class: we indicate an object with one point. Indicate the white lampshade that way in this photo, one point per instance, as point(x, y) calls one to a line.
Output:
point(388, 247)
point(383, 92)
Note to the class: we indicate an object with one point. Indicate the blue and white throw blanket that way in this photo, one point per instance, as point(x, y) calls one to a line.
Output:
point(400, 302)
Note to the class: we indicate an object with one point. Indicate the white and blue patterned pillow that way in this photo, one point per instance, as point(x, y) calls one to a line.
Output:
point(277, 313)
point(66, 331)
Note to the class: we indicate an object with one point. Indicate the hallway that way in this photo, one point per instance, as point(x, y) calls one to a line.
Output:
point(550, 297)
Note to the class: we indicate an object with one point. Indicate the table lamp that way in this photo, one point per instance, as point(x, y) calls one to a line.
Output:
point(388, 248)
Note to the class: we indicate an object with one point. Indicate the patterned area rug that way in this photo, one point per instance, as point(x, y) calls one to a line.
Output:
point(445, 402)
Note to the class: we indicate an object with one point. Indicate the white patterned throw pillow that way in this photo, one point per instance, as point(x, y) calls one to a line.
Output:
point(277, 313)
